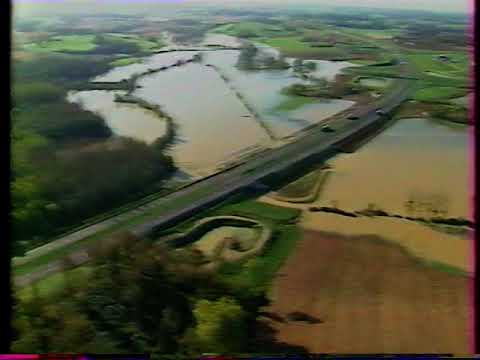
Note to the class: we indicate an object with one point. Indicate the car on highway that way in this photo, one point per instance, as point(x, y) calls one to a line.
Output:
point(353, 117)
point(380, 112)
point(327, 128)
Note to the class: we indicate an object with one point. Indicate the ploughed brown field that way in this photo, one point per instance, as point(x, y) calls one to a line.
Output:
point(367, 296)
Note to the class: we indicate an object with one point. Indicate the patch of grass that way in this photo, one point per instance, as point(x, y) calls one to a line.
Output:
point(294, 102)
point(426, 63)
point(258, 210)
point(78, 43)
point(434, 94)
point(294, 46)
point(125, 61)
point(376, 71)
point(249, 29)
point(363, 62)
point(443, 267)
point(255, 274)
point(301, 187)
point(144, 44)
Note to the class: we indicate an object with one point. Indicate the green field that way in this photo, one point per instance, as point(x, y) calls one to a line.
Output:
point(433, 94)
point(255, 275)
point(428, 64)
point(301, 187)
point(250, 30)
point(378, 34)
point(294, 46)
point(143, 44)
point(294, 102)
point(78, 43)
point(126, 61)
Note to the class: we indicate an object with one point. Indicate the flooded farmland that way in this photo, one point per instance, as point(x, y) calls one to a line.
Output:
point(213, 124)
point(126, 120)
point(416, 159)
point(125, 72)
point(416, 168)
point(221, 112)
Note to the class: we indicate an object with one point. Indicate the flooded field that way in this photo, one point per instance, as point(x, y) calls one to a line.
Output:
point(417, 160)
point(262, 90)
point(417, 239)
point(125, 72)
point(413, 297)
point(221, 112)
point(127, 120)
point(213, 124)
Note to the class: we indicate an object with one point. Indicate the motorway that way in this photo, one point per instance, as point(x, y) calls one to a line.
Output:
point(216, 188)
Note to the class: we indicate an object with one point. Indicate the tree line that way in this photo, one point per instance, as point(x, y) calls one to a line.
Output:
point(67, 165)
point(140, 297)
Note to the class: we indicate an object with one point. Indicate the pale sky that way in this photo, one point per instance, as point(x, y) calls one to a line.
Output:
point(459, 6)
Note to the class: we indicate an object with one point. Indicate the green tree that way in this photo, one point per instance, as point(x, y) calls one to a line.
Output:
point(220, 327)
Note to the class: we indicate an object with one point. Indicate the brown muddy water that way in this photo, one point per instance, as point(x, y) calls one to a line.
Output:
point(127, 120)
point(416, 159)
point(221, 112)
point(120, 73)
point(213, 123)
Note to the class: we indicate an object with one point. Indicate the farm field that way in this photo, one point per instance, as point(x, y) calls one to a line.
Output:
point(125, 61)
point(390, 305)
point(75, 43)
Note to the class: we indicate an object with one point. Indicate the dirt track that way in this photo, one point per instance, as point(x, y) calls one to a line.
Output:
point(371, 297)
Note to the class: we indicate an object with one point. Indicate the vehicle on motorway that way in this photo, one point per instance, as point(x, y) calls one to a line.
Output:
point(327, 128)
point(380, 112)
point(353, 117)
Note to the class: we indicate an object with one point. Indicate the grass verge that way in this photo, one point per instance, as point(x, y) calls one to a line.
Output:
point(255, 274)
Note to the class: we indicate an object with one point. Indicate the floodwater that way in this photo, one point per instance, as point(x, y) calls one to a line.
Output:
point(127, 120)
point(221, 112)
point(213, 123)
point(416, 159)
point(418, 239)
point(324, 109)
point(120, 73)
point(261, 90)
